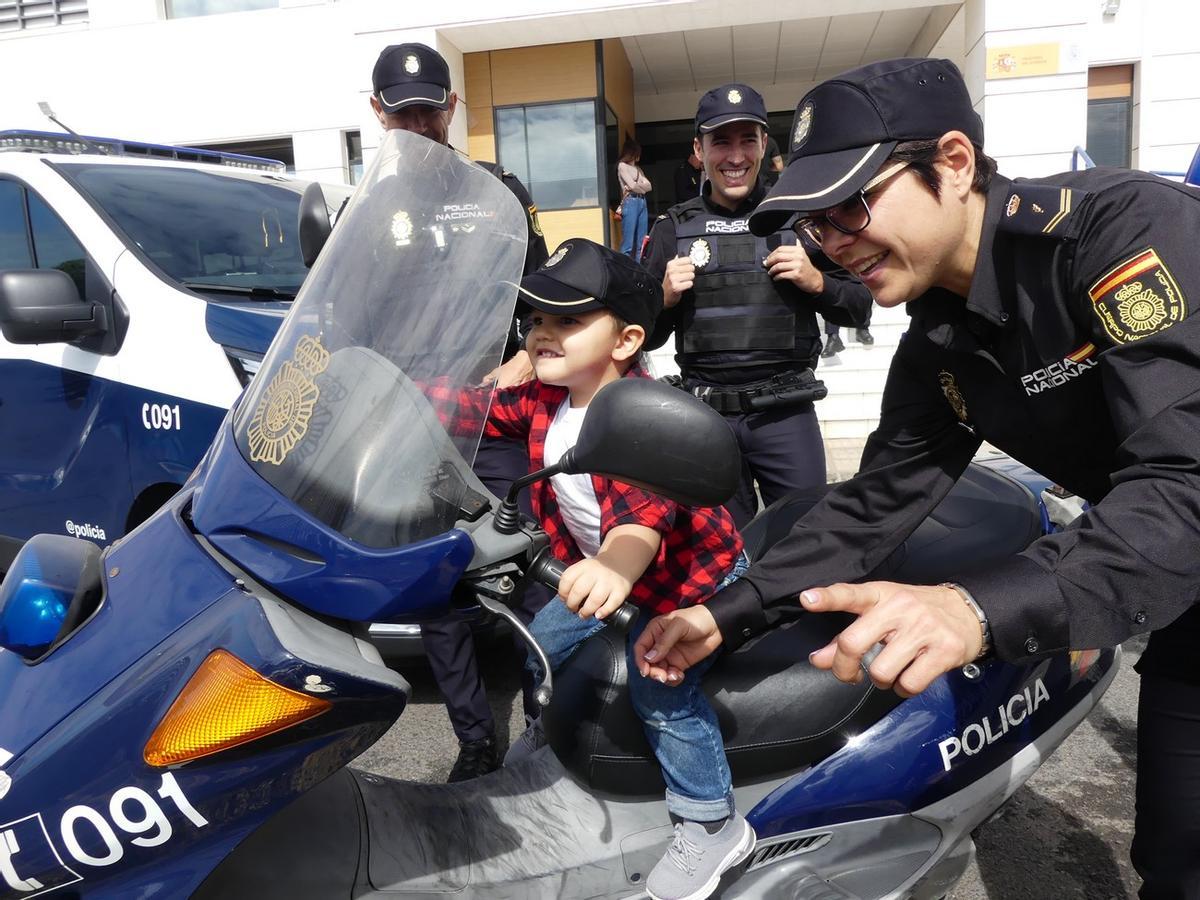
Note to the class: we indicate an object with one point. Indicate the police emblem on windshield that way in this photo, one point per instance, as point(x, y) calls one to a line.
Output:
point(557, 257)
point(412, 65)
point(402, 228)
point(803, 125)
point(953, 396)
point(699, 253)
point(281, 417)
point(734, 96)
point(1137, 298)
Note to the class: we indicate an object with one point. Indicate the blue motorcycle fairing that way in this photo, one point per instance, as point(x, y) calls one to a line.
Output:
point(142, 603)
point(900, 764)
point(310, 563)
point(93, 759)
point(244, 324)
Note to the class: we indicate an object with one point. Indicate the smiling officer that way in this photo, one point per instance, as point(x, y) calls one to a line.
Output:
point(1050, 317)
point(743, 307)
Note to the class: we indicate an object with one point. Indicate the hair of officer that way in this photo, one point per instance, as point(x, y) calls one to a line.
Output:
point(631, 151)
point(921, 156)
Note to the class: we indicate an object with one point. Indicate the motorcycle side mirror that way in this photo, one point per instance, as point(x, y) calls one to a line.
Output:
point(652, 436)
point(313, 226)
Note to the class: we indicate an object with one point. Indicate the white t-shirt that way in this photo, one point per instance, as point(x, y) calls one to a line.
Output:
point(577, 503)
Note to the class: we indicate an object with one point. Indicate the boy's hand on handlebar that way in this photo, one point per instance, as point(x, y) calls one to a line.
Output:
point(926, 631)
point(670, 644)
point(591, 589)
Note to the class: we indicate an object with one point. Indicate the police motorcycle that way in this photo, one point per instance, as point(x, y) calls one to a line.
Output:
point(179, 711)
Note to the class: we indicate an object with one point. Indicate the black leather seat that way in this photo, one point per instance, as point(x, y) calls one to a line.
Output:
point(776, 712)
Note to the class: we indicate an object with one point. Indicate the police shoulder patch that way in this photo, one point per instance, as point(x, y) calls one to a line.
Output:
point(534, 223)
point(1040, 209)
point(1138, 297)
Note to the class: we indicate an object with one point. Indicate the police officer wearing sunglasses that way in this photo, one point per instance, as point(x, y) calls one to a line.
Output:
point(1052, 318)
point(743, 308)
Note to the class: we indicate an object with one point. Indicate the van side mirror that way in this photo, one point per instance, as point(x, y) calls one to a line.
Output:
point(43, 306)
point(313, 226)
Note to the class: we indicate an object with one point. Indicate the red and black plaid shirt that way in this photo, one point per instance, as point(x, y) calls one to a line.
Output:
point(699, 544)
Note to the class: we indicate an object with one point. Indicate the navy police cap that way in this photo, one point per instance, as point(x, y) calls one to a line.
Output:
point(581, 276)
point(846, 127)
point(730, 103)
point(411, 74)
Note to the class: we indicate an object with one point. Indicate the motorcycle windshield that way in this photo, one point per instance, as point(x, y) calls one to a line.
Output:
point(367, 411)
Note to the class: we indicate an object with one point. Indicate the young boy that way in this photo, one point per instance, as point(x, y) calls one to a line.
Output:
point(589, 310)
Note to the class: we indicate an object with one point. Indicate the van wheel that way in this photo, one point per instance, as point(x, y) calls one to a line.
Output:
point(148, 502)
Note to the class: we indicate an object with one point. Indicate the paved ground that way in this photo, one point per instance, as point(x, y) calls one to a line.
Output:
point(1065, 835)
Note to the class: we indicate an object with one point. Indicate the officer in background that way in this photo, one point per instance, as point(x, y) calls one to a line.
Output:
point(1052, 317)
point(743, 307)
point(411, 85)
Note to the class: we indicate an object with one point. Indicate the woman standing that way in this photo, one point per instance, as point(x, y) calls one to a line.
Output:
point(634, 187)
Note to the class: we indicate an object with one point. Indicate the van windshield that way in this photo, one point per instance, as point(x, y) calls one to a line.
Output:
point(230, 231)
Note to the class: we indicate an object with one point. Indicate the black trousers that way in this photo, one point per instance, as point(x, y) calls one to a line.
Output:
point(830, 328)
point(781, 450)
point(1166, 841)
point(449, 643)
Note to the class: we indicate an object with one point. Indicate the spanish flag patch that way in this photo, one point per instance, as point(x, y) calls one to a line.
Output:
point(1137, 298)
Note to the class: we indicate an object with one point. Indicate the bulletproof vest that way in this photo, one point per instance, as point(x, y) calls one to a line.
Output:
point(737, 308)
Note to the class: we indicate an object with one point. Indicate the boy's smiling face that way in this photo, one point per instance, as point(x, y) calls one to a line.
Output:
point(580, 352)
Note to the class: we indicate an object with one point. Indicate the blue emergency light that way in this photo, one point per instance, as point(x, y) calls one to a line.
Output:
point(51, 581)
point(78, 144)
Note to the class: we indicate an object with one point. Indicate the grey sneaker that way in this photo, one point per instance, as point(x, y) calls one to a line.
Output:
point(695, 861)
point(531, 739)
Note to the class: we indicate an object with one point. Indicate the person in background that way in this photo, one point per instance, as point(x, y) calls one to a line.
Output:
point(411, 91)
point(743, 309)
point(634, 188)
point(772, 162)
point(688, 178)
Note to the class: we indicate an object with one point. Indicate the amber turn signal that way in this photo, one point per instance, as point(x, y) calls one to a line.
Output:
point(225, 704)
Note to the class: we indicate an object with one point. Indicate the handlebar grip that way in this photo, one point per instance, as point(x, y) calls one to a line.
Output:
point(548, 569)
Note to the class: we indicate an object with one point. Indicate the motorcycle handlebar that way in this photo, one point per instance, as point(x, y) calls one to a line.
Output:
point(548, 569)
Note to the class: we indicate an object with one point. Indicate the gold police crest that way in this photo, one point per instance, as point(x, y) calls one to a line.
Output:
point(953, 395)
point(1137, 298)
point(412, 65)
point(734, 96)
point(699, 253)
point(402, 228)
point(281, 418)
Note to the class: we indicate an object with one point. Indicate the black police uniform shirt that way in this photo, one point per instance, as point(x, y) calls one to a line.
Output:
point(844, 300)
point(1076, 353)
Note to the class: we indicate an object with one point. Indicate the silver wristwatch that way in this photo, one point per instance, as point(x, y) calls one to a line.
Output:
point(985, 648)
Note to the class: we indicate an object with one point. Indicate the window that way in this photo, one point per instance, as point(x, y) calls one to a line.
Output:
point(16, 15)
point(354, 160)
point(181, 9)
point(15, 252)
point(552, 149)
point(1110, 115)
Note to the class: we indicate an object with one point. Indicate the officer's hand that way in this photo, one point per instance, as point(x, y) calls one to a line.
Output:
point(680, 275)
point(790, 262)
point(517, 370)
point(925, 631)
point(591, 589)
point(672, 643)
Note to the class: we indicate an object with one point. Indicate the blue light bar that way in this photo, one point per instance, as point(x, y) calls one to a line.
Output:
point(57, 142)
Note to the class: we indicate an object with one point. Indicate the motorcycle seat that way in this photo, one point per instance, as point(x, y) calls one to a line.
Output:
point(776, 712)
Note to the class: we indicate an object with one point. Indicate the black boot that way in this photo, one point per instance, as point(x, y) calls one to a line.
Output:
point(475, 758)
point(833, 346)
point(864, 337)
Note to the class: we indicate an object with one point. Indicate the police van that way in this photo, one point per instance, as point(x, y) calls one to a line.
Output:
point(140, 286)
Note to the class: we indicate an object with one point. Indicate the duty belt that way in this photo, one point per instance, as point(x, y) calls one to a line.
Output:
point(788, 389)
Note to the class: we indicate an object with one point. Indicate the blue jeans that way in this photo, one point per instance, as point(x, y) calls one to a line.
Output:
point(634, 221)
point(679, 722)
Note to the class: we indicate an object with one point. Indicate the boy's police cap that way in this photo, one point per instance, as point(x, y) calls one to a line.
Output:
point(846, 127)
point(582, 276)
point(734, 102)
point(411, 74)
